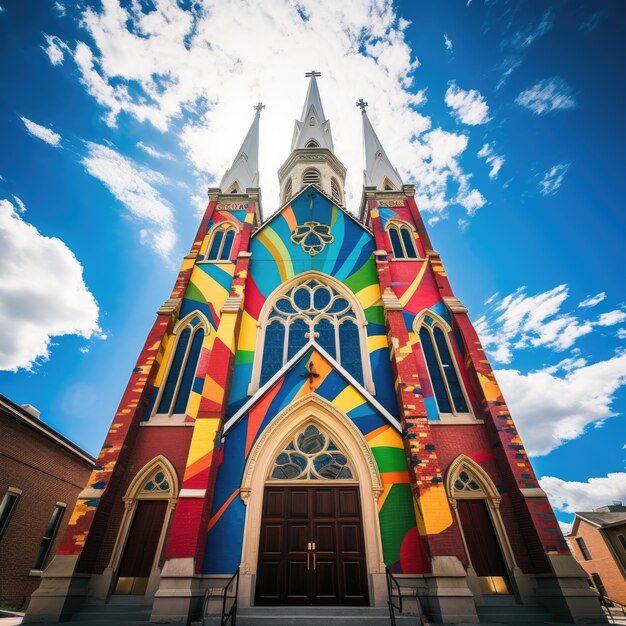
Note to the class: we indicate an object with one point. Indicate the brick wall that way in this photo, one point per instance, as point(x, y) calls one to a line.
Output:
point(602, 559)
point(46, 473)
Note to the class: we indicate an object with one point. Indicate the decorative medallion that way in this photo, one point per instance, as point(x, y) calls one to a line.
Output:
point(312, 236)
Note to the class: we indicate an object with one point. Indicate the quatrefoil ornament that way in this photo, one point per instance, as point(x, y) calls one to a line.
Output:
point(312, 237)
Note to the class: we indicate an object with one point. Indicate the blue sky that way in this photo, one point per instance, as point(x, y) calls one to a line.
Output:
point(115, 117)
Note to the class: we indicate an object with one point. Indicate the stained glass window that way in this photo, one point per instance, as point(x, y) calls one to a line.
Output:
point(402, 241)
point(466, 482)
point(222, 244)
point(180, 377)
point(157, 483)
point(311, 454)
point(311, 309)
point(443, 375)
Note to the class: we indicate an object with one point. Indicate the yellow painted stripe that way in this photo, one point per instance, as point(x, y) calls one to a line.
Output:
point(247, 336)
point(389, 438)
point(369, 296)
point(203, 438)
point(383, 496)
point(408, 294)
point(211, 290)
point(169, 344)
point(348, 399)
point(376, 342)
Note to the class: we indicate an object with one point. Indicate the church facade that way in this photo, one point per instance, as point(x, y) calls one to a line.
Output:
point(313, 406)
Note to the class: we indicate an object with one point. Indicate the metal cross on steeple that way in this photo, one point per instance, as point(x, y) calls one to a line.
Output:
point(312, 74)
point(258, 108)
point(361, 104)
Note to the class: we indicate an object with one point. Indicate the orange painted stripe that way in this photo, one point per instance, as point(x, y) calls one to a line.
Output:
point(257, 413)
point(395, 477)
point(376, 432)
point(224, 506)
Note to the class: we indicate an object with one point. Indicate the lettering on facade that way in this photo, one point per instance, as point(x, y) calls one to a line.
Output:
point(391, 202)
point(231, 206)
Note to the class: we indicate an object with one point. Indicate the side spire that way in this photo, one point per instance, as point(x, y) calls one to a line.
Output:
point(244, 172)
point(312, 129)
point(378, 170)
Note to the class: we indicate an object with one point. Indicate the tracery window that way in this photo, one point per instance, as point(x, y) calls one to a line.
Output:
point(311, 176)
point(402, 241)
point(157, 483)
point(312, 144)
point(444, 377)
point(311, 309)
point(175, 392)
point(466, 483)
point(221, 243)
point(311, 454)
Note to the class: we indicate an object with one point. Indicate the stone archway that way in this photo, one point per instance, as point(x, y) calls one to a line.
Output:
point(312, 410)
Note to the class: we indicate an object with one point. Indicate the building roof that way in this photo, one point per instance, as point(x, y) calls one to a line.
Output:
point(599, 519)
point(378, 168)
point(312, 125)
point(13, 411)
point(244, 172)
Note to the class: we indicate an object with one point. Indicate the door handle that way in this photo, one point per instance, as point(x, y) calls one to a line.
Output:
point(314, 561)
point(308, 554)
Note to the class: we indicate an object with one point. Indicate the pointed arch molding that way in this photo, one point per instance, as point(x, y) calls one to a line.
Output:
point(161, 463)
point(310, 409)
point(489, 490)
point(419, 320)
point(368, 381)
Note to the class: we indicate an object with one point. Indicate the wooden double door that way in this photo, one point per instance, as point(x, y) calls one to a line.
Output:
point(311, 548)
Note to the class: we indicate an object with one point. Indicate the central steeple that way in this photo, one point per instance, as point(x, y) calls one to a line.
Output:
point(312, 130)
point(312, 159)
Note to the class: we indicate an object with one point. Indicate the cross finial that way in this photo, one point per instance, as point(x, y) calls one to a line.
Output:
point(361, 104)
point(258, 108)
point(311, 195)
point(312, 74)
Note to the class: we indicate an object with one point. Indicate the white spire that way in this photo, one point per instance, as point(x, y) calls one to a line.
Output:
point(244, 172)
point(378, 170)
point(312, 126)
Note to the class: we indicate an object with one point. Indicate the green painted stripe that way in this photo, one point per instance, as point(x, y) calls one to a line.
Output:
point(397, 517)
point(193, 293)
point(244, 356)
point(363, 277)
point(390, 459)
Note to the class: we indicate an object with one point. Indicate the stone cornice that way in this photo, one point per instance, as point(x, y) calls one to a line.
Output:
point(312, 155)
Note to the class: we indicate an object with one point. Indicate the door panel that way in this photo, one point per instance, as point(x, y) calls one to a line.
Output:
point(317, 558)
point(480, 537)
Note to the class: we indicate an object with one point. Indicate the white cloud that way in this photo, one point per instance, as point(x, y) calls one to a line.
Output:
point(611, 318)
point(21, 207)
point(59, 8)
point(591, 301)
point(550, 410)
point(495, 160)
point(447, 41)
point(153, 152)
point(42, 293)
point(593, 21)
point(519, 321)
point(468, 107)
point(573, 496)
point(41, 132)
point(133, 185)
point(55, 49)
point(509, 66)
point(621, 334)
point(549, 94)
point(163, 67)
point(566, 527)
point(525, 37)
point(552, 180)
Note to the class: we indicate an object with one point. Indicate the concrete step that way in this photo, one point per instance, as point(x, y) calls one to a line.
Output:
point(129, 612)
point(315, 616)
point(512, 614)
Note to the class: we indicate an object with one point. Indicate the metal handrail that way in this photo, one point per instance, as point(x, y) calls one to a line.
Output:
point(391, 583)
point(608, 604)
point(232, 612)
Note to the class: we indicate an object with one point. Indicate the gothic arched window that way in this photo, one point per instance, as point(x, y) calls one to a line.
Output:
point(311, 176)
point(175, 391)
point(312, 144)
point(444, 377)
point(312, 309)
point(402, 240)
point(311, 454)
point(221, 243)
point(334, 190)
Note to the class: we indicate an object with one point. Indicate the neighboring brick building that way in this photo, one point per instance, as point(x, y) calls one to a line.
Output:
point(598, 541)
point(41, 475)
